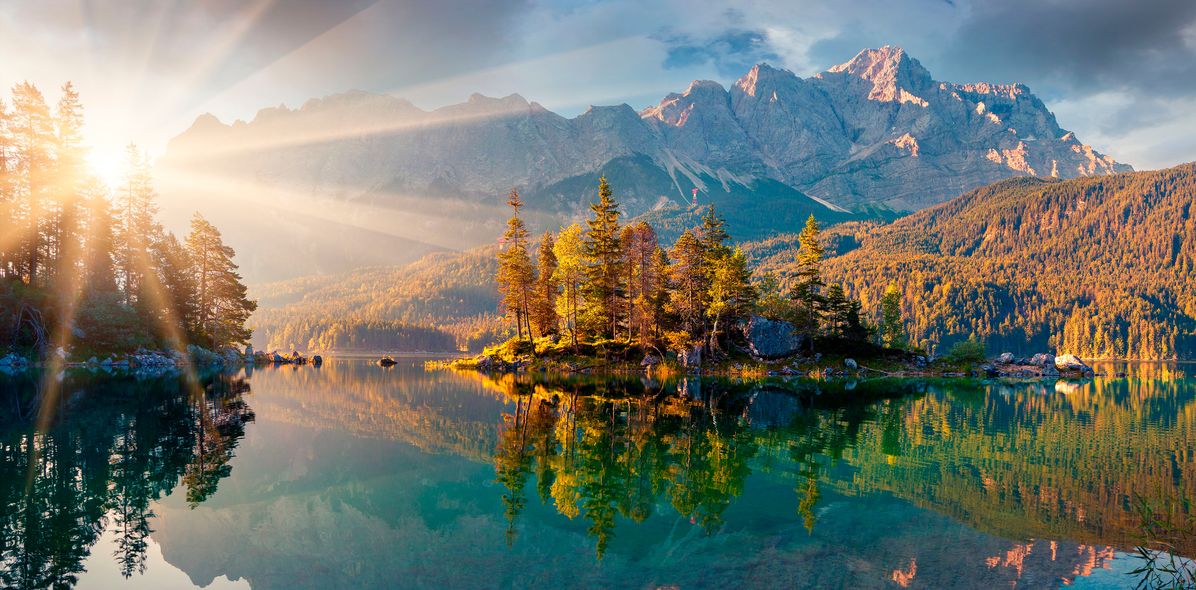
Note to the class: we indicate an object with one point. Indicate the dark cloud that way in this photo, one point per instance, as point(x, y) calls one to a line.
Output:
point(1080, 45)
point(732, 52)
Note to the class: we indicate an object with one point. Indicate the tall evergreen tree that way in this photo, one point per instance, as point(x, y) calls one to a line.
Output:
point(544, 316)
point(516, 275)
point(569, 251)
point(644, 278)
point(689, 290)
point(221, 302)
point(32, 131)
point(604, 292)
point(137, 206)
point(808, 277)
point(892, 328)
point(731, 294)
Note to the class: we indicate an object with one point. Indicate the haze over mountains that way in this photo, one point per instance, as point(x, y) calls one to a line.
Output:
point(359, 179)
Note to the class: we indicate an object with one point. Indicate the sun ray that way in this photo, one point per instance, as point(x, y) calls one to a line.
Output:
point(430, 226)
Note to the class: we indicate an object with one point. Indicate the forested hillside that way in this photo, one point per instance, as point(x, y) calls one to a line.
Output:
point(1100, 267)
point(441, 302)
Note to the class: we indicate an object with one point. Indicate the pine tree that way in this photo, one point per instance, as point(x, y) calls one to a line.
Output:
point(643, 279)
point(604, 275)
point(70, 176)
point(689, 291)
point(544, 316)
point(99, 273)
point(516, 274)
point(221, 305)
point(892, 328)
point(731, 295)
point(8, 209)
point(808, 277)
point(569, 251)
point(31, 129)
point(136, 205)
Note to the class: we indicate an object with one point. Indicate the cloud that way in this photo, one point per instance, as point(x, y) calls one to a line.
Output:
point(731, 52)
point(1069, 46)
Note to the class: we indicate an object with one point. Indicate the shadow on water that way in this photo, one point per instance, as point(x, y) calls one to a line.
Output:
point(117, 444)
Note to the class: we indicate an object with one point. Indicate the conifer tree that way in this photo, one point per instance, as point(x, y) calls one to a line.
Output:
point(32, 131)
point(544, 316)
point(136, 208)
point(892, 328)
point(221, 304)
point(569, 251)
point(808, 277)
point(643, 279)
point(516, 275)
point(689, 291)
point(731, 294)
point(604, 274)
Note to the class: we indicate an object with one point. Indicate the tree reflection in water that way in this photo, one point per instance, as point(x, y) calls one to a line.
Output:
point(117, 445)
point(1014, 460)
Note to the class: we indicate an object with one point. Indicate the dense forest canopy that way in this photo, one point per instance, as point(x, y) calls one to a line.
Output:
point(86, 265)
point(1098, 267)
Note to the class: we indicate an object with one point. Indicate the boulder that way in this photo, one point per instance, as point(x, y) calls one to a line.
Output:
point(317, 360)
point(1005, 358)
point(851, 364)
point(387, 361)
point(1071, 363)
point(1043, 360)
point(772, 339)
point(277, 358)
point(649, 361)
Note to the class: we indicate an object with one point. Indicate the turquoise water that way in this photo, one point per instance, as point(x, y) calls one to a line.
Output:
point(351, 475)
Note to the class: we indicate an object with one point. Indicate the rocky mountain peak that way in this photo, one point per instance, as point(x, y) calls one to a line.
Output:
point(894, 75)
point(762, 75)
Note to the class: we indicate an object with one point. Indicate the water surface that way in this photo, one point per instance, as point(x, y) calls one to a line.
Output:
point(351, 475)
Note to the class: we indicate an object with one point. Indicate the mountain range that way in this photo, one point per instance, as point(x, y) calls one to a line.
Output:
point(873, 136)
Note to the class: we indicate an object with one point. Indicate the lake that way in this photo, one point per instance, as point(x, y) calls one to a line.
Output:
point(352, 475)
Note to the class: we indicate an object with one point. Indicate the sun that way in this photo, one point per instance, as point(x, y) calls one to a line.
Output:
point(108, 166)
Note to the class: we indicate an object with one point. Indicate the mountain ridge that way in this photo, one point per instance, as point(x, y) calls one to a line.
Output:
point(874, 132)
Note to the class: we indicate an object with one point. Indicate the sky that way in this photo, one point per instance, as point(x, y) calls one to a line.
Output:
point(1121, 74)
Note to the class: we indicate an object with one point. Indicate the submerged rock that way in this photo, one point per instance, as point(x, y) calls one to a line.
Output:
point(387, 361)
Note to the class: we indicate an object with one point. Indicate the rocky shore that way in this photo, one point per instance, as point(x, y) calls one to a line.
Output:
point(156, 361)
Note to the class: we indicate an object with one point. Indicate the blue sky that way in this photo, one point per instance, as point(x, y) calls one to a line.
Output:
point(1121, 74)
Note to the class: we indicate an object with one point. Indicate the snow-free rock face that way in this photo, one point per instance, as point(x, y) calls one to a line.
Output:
point(877, 129)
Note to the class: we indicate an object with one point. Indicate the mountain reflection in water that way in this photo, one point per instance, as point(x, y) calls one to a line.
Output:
point(357, 476)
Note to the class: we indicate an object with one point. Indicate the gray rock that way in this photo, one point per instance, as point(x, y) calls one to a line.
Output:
point(317, 360)
point(1072, 364)
point(772, 339)
point(1043, 360)
point(851, 364)
point(1005, 358)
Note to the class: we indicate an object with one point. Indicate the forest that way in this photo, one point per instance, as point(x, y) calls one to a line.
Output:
point(88, 267)
point(1098, 267)
point(608, 281)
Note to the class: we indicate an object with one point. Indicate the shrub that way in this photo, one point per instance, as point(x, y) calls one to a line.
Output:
point(968, 351)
